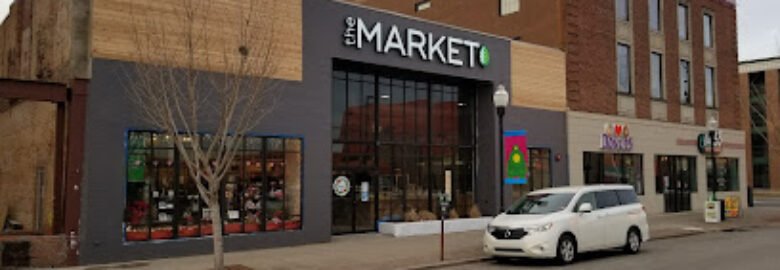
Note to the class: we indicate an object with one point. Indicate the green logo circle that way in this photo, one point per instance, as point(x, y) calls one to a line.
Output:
point(484, 56)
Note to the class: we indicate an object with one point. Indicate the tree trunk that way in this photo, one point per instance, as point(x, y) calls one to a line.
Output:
point(216, 223)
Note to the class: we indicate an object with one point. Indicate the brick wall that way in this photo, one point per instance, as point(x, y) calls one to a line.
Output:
point(641, 55)
point(591, 74)
point(591, 58)
point(538, 21)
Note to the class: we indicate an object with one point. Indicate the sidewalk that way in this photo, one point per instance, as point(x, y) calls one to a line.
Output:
point(374, 251)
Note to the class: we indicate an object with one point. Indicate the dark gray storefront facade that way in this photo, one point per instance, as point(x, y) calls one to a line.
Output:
point(304, 111)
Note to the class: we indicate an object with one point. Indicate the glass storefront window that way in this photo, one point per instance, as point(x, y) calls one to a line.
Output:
point(728, 170)
point(612, 168)
point(420, 129)
point(163, 201)
point(675, 171)
point(540, 174)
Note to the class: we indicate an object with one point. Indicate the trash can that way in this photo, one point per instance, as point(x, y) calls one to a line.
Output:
point(713, 211)
point(750, 196)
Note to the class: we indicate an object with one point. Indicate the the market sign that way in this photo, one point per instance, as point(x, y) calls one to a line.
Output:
point(616, 137)
point(413, 43)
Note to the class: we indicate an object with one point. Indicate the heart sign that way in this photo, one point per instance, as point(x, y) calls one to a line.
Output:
point(618, 130)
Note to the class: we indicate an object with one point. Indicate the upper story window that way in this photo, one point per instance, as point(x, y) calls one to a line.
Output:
point(709, 87)
point(686, 96)
point(656, 76)
point(708, 30)
point(654, 13)
point(622, 10)
point(509, 7)
point(624, 68)
point(682, 21)
point(422, 5)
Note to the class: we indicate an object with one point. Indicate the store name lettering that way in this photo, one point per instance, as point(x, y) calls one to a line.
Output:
point(412, 42)
point(616, 137)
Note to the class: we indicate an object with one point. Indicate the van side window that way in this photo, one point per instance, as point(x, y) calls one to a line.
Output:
point(589, 197)
point(627, 196)
point(606, 199)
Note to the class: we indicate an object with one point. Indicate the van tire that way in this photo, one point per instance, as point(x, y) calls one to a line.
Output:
point(633, 241)
point(566, 250)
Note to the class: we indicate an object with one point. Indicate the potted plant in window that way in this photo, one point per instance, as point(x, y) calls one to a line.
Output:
point(292, 224)
point(165, 232)
point(189, 229)
point(233, 227)
point(139, 233)
point(251, 224)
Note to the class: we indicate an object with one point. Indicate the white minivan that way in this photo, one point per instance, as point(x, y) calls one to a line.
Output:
point(562, 222)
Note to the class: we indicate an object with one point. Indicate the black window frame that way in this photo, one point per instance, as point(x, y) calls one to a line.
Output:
point(628, 89)
point(658, 8)
point(683, 24)
point(708, 31)
point(182, 199)
point(660, 80)
point(596, 175)
point(623, 15)
point(686, 83)
point(710, 87)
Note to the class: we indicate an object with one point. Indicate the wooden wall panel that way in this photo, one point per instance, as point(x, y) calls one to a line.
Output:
point(538, 77)
point(116, 22)
point(35, 41)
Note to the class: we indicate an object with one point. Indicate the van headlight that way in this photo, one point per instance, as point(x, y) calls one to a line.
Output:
point(542, 228)
point(491, 228)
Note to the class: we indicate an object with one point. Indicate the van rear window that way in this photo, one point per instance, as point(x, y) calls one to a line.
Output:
point(627, 196)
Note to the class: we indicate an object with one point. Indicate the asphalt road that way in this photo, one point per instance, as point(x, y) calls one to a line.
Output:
point(752, 249)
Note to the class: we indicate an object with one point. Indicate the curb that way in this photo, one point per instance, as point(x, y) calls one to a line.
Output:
point(665, 237)
point(447, 263)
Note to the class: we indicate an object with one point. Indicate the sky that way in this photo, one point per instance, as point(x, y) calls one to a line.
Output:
point(758, 24)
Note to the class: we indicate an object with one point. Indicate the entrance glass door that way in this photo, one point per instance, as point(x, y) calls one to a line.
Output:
point(402, 134)
point(354, 211)
point(676, 178)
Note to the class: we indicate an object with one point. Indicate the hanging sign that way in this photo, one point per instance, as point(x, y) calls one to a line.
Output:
point(515, 157)
point(705, 143)
point(616, 137)
point(341, 186)
point(413, 43)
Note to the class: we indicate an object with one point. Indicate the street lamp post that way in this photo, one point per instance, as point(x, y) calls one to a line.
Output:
point(501, 100)
point(712, 126)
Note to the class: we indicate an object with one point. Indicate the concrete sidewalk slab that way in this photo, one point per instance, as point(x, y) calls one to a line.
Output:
point(375, 251)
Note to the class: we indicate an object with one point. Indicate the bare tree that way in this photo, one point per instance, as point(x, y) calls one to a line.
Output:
point(764, 115)
point(202, 76)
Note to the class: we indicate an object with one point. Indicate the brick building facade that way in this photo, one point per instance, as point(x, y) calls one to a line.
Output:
point(694, 35)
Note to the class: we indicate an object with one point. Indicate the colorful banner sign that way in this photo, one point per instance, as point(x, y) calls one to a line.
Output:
point(515, 157)
point(732, 206)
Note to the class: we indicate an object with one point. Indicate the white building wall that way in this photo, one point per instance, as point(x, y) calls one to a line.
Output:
point(651, 139)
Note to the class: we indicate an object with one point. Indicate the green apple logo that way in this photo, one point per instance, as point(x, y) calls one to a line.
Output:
point(484, 56)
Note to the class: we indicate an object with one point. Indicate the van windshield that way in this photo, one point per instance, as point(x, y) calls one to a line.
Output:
point(540, 203)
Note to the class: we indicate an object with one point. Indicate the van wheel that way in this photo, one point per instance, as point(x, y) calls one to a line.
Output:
point(633, 241)
point(567, 249)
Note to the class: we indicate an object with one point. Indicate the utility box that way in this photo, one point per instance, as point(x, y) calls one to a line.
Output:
point(713, 212)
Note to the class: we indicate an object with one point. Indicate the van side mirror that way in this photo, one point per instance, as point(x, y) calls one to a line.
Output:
point(585, 208)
